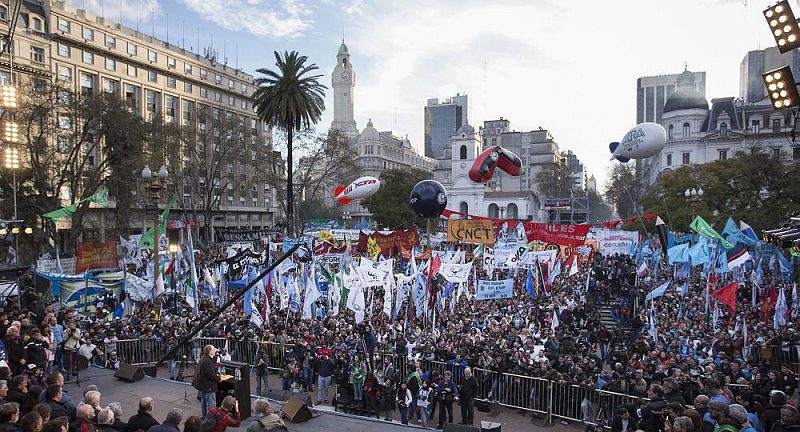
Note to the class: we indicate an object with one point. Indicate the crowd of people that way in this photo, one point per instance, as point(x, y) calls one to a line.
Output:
point(665, 352)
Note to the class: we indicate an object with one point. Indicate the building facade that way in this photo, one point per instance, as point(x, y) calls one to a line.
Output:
point(576, 170)
point(375, 151)
point(698, 134)
point(441, 121)
point(652, 93)
point(90, 54)
point(756, 63)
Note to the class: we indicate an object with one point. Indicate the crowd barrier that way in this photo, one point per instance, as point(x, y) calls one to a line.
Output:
point(552, 399)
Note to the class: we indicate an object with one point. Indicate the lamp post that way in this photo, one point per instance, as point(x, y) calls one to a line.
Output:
point(694, 196)
point(11, 162)
point(346, 219)
point(155, 185)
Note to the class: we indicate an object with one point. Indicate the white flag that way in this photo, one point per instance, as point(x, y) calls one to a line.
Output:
point(387, 295)
point(356, 303)
point(455, 272)
point(573, 268)
point(312, 293)
point(335, 293)
point(554, 325)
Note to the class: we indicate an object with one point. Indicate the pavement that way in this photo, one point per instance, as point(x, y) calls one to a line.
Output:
point(173, 394)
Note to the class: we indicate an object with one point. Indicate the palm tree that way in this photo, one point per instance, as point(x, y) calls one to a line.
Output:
point(289, 98)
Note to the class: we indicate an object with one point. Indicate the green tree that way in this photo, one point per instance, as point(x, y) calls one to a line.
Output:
point(599, 210)
point(289, 98)
point(623, 189)
point(389, 206)
point(757, 188)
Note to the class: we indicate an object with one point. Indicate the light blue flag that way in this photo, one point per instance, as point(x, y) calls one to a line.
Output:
point(785, 265)
point(529, 284)
point(722, 260)
point(658, 292)
point(679, 253)
point(699, 252)
point(685, 289)
point(734, 234)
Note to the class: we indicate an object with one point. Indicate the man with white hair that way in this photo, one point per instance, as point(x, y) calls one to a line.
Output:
point(92, 398)
point(105, 420)
point(206, 379)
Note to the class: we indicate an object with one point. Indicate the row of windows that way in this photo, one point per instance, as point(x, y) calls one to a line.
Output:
point(755, 127)
point(65, 73)
point(132, 49)
point(722, 155)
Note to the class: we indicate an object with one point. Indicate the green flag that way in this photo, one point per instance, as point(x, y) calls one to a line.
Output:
point(147, 238)
point(100, 198)
point(700, 226)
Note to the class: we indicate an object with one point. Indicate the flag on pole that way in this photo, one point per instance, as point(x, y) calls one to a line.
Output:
point(100, 198)
point(312, 293)
point(746, 337)
point(795, 302)
point(658, 292)
point(700, 226)
point(387, 295)
point(573, 266)
point(747, 230)
point(372, 247)
point(191, 295)
point(554, 325)
point(727, 295)
point(780, 310)
point(554, 271)
point(529, 284)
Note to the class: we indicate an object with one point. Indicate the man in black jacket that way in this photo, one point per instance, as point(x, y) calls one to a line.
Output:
point(206, 379)
point(467, 392)
point(54, 399)
point(654, 412)
point(772, 414)
point(143, 419)
point(18, 390)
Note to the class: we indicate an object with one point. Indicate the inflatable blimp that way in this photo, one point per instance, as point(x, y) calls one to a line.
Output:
point(643, 141)
point(360, 188)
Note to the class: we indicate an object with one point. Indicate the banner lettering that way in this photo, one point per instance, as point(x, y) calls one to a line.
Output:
point(491, 289)
point(470, 231)
point(96, 255)
point(561, 234)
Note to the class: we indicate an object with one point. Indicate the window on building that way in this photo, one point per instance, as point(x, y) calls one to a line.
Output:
point(686, 130)
point(64, 73)
point(463, 208)
point(37, 55)
point(63, 50)
point(775, 152)
point(132, 49)
point(462, 153)
point(671, 132)
point(217, 78)
point(512, 212)
point(111, 64)
point(244, 88)
point(669, 160)
point(187, 87)
point(686, 158)
point(88, 34)
point(203, 73)
point(88, 57)
point(37, 24)
point(723, 155)
point(203, 92)
point(87, 82)
point(110, 86)
point(494, 211)
point(243, 104)
point(111, 41)
point(171, 62)
point(171, 82)
point(187, 68)
point(170, 103)
point(231, 83)
point(723, 130)
point(63, 25)
point(494, 141)
point(756, 126)
point(152, 56)
point(776, 125)
point(3, 12)
point(218, 96)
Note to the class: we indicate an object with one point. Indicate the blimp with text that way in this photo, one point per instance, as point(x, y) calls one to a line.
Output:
point(643, 141)
point(362, 187)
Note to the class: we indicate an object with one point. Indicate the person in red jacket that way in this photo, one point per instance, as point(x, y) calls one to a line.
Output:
point(227, 414)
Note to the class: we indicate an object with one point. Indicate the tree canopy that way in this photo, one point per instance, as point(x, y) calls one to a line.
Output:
point(390, 205)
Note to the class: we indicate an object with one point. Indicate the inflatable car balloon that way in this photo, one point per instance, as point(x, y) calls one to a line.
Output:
point(483, 168)
point(361, 188)
point(643, 141)
point(428, 199)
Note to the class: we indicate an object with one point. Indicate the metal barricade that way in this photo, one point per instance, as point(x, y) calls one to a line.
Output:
point(139, 351)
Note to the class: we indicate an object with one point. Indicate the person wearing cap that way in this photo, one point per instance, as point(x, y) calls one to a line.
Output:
point(739, 412)
point(788, 421)
point(720, 411)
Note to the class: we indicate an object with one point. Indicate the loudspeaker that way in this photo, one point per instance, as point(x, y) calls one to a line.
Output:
point(452, 427)
point(482, 405)
point(129, 372)
point(305, 398)
point(487, 426)
point(296, 411)
point(149, 369)
point(278, 395)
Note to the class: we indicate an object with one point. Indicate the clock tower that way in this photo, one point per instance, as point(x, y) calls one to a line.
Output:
point(343, 81)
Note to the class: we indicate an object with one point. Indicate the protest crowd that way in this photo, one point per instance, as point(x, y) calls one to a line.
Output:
point(697, 344)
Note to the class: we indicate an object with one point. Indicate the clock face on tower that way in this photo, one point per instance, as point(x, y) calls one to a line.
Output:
point(346, 75)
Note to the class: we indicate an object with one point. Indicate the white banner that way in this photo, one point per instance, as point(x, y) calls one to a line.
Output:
point(456, 273)
point(615, 242)
point(372, 275)
point(491, 289)
point(488, 260)
point(516, 257)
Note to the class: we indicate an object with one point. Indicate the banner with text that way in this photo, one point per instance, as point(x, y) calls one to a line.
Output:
point(615, 242)
point(96, 255)
point(561, 234)
point(470, 231)
point(494, 289)
point(238, 235)
point(401, 239)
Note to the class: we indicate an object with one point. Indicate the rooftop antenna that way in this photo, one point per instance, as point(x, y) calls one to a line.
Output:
point(237, 56)
point(153, 22)
point(119, 12)
point(103, 9)
point(183, 34)
point(167, 28)
point(137, 15)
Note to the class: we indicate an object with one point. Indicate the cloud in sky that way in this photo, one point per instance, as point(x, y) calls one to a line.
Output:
point(127, 11)
point(279, 19)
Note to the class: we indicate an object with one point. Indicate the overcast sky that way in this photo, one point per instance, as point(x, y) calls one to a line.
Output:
point(569, 67)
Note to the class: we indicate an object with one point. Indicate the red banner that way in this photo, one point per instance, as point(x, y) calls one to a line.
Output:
point(96, 255)
point(406, 239)
point(560, 234)
point(326, 247)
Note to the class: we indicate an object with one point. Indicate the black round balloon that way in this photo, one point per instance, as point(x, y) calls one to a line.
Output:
point(428, 199)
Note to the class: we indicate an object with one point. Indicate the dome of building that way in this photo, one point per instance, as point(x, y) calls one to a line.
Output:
point(686, 96)
point(369, 133)
point(466, 129)
point(343, 48)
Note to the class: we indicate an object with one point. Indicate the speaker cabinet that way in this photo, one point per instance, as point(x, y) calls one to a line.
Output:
point(296, 411)
point(129, 372)
point(452, 427)
point(487, 426)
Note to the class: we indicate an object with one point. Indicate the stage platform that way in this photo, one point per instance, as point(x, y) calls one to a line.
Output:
point(168, 394)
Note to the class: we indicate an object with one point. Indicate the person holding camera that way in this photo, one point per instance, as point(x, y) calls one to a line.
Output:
point(404, 400)
point(72, 342)
point(227, 414)
point(467, 392)
point(447, 392)
point(423, 400)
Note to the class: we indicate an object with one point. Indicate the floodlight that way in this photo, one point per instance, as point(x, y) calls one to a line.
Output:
point(781, 88)
point(783, 26)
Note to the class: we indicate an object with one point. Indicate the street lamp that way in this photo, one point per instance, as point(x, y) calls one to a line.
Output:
point(346, 218)
point(11, 162)
point(694, 196)
point(155, 185)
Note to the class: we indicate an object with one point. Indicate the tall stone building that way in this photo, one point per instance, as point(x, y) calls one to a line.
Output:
point(56, 42)
point(652, 93)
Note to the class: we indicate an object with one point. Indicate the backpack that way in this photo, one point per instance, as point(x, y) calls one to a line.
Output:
point(210, 422)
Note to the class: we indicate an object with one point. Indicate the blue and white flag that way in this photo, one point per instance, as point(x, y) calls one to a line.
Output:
point(735, 235)
point(658, 292)
point(312, 293)
point(555, 271)
point(678, 254)
point(780, 310)
point(748, 232)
